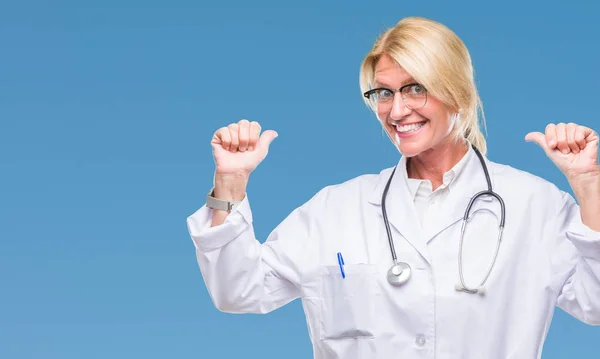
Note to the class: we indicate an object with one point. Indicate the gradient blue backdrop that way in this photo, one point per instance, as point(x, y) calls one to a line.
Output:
point(107, 109)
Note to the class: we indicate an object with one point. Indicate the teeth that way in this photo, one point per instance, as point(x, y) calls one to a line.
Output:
point(410, 128)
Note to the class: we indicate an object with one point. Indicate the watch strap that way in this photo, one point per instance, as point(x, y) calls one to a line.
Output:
point(220, 204)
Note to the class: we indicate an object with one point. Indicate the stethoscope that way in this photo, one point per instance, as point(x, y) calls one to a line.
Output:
point(400, 272)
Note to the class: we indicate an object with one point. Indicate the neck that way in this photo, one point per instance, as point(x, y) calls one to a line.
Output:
point(433, 163)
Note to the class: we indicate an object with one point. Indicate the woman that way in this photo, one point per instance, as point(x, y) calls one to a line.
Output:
point(441, 299)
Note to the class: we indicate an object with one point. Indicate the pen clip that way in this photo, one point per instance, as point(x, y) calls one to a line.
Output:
point(341, 263)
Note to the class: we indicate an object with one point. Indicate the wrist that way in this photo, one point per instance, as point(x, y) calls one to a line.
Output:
point(587, 191)
point(230, 187)
point(586, 185)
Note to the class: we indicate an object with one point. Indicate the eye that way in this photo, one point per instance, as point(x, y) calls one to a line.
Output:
point(384, 94)
point(415, 90)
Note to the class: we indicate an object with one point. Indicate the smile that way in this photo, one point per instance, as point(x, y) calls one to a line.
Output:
point(409, 128)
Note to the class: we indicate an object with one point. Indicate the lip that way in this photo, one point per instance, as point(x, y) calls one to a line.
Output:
point(410, 134)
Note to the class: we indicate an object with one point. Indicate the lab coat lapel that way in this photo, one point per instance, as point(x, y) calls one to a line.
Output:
point(400, 209)
point(468, 183)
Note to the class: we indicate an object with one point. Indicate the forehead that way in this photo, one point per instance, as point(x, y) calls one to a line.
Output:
point(389, 72)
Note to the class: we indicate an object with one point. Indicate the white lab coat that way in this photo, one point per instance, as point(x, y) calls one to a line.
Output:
point(547, 258)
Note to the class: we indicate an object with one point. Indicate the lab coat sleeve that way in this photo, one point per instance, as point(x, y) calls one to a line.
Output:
point(577, 259)
point(243, 275)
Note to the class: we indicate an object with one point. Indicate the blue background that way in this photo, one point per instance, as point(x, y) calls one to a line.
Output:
point(107, 109)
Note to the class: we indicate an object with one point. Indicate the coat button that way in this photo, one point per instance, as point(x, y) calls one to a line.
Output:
point(420, 340)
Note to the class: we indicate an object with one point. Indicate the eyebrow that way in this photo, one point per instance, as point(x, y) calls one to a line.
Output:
point(381, 84)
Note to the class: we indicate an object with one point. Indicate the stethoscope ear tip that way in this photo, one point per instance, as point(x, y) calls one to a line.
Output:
point(481, 290)
point(458, 287)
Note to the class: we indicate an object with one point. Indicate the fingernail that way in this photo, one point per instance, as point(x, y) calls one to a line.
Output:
point(565, 151)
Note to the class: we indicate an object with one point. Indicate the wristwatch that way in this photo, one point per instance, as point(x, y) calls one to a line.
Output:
point(223, 205)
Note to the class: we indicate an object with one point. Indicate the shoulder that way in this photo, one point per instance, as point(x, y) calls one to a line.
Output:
point(525, 185)
point(511, 175)
point(352, 191)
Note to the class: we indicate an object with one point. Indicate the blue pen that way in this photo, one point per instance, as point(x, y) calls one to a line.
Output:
point(341, 263)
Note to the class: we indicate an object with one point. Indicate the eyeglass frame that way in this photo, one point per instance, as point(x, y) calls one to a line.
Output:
point(367, 94)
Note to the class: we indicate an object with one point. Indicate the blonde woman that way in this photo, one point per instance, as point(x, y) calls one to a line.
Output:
point(445, 255)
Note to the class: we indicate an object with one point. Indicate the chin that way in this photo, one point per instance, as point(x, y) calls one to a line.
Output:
point(411, 149)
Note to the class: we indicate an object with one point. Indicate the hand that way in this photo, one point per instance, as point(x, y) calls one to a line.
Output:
point(237, 148)
point(572, 148)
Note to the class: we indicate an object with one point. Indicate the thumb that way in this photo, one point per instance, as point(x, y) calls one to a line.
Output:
point(265, 139)
point(539, 139)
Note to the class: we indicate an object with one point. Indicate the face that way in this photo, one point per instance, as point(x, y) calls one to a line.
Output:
point(414, 130)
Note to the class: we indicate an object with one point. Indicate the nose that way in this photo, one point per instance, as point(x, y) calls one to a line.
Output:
point(399, 109)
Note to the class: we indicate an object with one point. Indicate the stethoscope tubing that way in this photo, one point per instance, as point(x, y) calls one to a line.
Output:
point(489, 192)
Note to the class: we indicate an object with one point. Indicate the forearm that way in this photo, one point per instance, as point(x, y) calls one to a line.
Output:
point(228, 187)
point(242, 274)
point(580, 291)
point(587, 191)
point(237, 269)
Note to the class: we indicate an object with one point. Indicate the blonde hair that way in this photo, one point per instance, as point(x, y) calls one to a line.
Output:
point(438, 59)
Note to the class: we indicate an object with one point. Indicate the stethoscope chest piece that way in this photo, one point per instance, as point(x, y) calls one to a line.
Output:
point(399, 273)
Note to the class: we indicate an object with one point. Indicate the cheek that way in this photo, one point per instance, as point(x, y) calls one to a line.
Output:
point(382, 115)
point(437, 112)
point(439, 121)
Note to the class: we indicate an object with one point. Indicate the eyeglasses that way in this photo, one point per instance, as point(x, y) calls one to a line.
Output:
point(414, 96)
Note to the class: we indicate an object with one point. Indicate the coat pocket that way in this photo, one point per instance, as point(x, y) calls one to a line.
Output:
point(347, 305)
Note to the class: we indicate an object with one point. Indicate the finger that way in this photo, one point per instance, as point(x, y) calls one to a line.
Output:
point(573, 146)
point(551, 136)
point(561, 138)
point(587, 132)
point(225, 138)
point(539, 139)
point(233, 133)
point(265, 140)
point(244, 134)
point(254, 133)
point(580, 137)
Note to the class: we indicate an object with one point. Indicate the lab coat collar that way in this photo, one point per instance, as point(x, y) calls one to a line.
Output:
point(401, 209)
point(470, 181)
point(415, 184)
